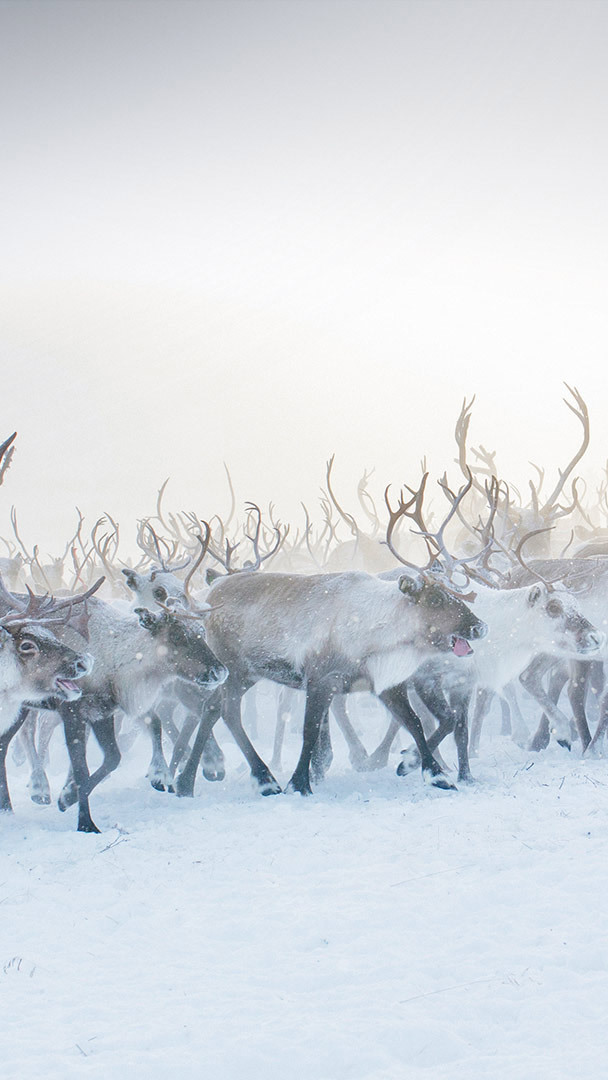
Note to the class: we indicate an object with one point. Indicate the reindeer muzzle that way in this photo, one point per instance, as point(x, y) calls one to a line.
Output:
point(460, 646)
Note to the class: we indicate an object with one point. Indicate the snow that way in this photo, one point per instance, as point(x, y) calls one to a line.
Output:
point(380, 930)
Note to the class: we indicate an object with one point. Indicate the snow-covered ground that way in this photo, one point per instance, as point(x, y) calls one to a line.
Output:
point(378, 930)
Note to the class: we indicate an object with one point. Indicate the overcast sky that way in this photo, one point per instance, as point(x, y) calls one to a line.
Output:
point(264, 232)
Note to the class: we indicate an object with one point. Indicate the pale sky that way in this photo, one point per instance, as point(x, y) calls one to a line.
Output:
point(264, 232)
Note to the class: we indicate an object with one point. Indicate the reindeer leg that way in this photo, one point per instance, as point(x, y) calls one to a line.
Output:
point(5, 738)
point(578, 685)
point(158, 772)
point(452, 715)
point(357, 754)
point(459, 704)
point(18, 753)
point(435, 705)
point(249, 715)
point(379, 758)
point(105, 734)
point(48, 722)
point(531, 680)
point(75, 736)
point(594, 747)
point(183, 741)
point(396, 700)
point(517, 726)
point(165, 709)
point(231, 713)
point(318, 700)
point(505, 714)
point(322, 754)
point(483, 698)
point(213, 763)
point(212, 710)
point(40, 791)
point(279, 739)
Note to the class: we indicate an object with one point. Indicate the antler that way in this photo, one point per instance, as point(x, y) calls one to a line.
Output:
point(460, 434)
point(519, 556)
point(153, 549)
point(41, 609)
point(17, 537)
point(204, 548)
point(581, 412)
point(253, 508)
point(6, 455)
point(348, 518)
point(404, 511)
point(367, 503)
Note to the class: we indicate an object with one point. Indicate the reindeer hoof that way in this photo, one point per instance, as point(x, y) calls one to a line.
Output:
point(214, 773)
point(67, 798)
point(565, 743)
point(162, 785)
point(41, 798)
point(88, 827)
point(270, 787)
point(443, 783)
point(302, 788)
point(410, 760)
point(438, 780)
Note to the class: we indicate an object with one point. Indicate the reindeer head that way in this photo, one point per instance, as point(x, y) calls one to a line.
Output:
point(38, 665)
point(181, 648)
point(561, 622)
point(446, 622)
point(157, 587)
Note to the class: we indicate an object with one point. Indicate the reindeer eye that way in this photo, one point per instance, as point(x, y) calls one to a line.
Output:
point(554, 609)
point(28, 648)
point(160, 593)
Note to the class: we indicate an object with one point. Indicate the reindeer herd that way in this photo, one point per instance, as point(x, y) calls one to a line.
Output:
point(433, 612)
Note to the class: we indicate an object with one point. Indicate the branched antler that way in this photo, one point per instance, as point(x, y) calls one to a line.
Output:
point(582, 413)
point(407, 508)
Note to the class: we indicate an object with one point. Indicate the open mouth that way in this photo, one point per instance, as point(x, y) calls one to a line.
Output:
point(68, 687)
point(460, 646)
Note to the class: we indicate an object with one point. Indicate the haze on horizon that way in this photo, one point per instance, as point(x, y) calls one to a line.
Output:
point(266, 232)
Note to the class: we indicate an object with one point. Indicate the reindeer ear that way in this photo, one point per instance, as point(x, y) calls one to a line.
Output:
point(411, 586)
point(147, 619)
point(80, 622)
point(131, 577)
point(534, 595)
point(4, 637)
point(212, 575)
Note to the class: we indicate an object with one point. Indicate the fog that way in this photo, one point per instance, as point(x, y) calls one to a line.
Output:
point(266, 232)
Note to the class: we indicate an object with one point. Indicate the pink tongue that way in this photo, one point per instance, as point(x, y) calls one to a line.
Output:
point(461, 647)
point(68, 684)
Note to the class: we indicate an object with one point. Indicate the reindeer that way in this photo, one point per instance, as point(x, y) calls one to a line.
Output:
point(524, 623)
point(327, 634)
point(134, 654)
point(533, 621)
point(159, 589)
point(588, 579)
point(36, 669)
